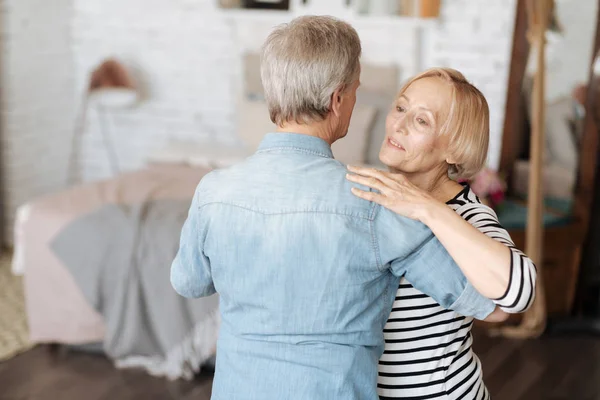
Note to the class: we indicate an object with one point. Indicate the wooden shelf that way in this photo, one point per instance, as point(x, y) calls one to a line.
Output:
point(275, 17)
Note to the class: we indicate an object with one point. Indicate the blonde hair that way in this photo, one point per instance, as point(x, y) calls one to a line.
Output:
point(303, 63)
point(467, 124)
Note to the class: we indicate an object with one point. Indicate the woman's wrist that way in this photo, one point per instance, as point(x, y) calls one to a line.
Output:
point(431, 211)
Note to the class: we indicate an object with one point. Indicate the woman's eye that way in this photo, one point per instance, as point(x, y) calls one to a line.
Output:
point(421, 121)
point(400, 109)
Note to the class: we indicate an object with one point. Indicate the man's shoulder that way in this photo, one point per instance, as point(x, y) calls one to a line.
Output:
point(319, 184)
point(256, 169)
point(217, 176)
point(215, 183)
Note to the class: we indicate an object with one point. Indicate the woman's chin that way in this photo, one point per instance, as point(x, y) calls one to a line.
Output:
point(387, 160)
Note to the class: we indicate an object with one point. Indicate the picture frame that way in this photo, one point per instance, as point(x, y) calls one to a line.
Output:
point(266, 4)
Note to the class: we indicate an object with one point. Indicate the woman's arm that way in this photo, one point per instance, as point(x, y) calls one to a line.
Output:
point(520, 292)
point(484, 252)
point(497, 316)
point(484, 261)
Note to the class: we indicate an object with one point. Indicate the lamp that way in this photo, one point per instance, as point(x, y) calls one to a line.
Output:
point(110, 87)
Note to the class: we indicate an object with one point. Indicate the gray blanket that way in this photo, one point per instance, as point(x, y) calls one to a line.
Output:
point(120, 256)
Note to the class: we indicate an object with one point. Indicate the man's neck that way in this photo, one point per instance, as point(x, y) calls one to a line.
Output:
point(320, 129)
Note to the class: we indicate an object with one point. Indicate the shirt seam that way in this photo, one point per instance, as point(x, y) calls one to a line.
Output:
point(296, 149)
point(373, 211)
point(282, 212)
point(374, 238)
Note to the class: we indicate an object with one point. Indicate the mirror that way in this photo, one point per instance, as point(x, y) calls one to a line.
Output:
point(568, 58)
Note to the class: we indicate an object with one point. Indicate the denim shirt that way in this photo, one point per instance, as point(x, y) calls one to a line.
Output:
point(306, 273)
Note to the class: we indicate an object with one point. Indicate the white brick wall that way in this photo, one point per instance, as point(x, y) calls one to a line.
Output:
point(192, 81)
point(183, 56)
point(186, 56)
point(37, 99)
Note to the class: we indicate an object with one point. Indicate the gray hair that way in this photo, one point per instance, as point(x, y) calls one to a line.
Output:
point(303, 62)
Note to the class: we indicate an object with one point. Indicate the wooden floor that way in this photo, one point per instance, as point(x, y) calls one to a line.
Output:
point(552, 368)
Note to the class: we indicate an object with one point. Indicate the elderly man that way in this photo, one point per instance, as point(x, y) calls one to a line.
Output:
point(306, 272)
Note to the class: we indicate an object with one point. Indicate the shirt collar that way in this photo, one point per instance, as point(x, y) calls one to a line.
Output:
point(297, 142)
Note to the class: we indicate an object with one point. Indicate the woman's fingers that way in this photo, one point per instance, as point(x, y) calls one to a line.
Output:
point(370, 196)
point(386, 178)
point(373, 183)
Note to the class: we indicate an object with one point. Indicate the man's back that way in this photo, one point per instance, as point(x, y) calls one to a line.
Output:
point(304, 289)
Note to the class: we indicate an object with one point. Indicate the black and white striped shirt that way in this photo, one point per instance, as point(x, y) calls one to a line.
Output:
point(428, 351)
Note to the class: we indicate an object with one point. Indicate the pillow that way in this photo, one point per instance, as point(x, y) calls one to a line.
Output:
point(253, 88)
point(254, 123)
point(352, 149)
point(379, 78)
point(198, 154)
point(378, 88)
point(381, 102)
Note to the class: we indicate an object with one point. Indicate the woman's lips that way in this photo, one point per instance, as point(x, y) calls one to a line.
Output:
point(395, 144)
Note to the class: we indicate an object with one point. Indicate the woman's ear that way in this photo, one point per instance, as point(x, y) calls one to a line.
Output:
point(450, 160)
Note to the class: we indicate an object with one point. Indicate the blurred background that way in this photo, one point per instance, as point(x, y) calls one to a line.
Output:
point(115, 105)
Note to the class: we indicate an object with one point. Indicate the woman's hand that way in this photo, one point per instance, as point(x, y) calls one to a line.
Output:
point(396, 193)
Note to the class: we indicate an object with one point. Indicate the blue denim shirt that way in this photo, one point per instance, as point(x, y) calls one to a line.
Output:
point(306, 273)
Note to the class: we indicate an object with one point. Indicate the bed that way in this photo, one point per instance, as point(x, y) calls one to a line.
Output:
point(95, 260)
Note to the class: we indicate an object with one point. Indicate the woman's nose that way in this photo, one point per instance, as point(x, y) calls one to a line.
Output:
point(400, 124)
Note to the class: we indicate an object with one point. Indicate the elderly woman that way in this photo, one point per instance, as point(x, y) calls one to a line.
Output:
point(438, 129)
point(306, 272)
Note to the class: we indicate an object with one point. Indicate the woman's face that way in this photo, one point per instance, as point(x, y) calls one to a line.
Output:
point(412, 143)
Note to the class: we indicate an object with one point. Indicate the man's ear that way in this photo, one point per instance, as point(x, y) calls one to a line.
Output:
point(336, 102)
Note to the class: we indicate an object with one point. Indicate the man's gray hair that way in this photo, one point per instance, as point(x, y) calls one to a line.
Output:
point(303, 62)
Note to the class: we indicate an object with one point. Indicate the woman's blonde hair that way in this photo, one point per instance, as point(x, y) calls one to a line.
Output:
point(303, 62)
point(467, 124)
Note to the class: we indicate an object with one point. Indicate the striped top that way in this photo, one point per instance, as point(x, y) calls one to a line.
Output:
point(428, 351)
